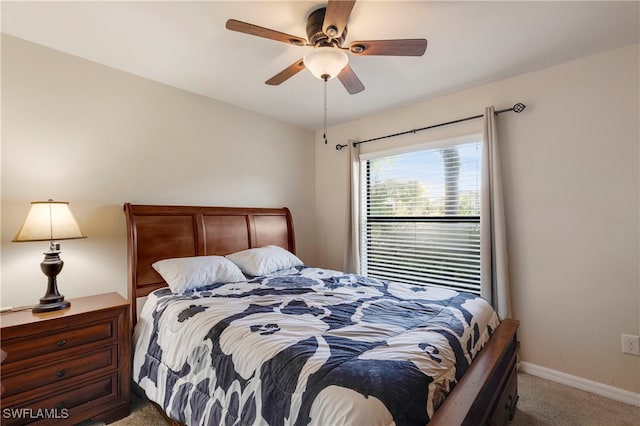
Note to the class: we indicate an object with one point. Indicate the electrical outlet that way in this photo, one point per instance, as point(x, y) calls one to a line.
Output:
point(631, 344)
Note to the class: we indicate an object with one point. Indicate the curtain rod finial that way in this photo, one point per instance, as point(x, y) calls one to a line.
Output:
point(339, 147)
point(519, 107)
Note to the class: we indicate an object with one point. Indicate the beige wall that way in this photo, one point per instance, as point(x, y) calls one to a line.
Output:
point(571, 173)
point(78, 131)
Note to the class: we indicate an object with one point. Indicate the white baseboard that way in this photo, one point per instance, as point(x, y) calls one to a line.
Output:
point(601, 389)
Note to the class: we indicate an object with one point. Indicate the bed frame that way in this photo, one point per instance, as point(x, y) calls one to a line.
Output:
point(486, 394)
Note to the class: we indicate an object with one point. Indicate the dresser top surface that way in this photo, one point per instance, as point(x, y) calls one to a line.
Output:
point(80, 305)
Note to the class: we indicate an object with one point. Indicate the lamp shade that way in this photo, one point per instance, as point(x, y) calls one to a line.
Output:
point(49, 220)
point(325, 62)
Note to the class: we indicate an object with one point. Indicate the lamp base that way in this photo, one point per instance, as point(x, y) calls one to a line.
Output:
point(51, 266)
point(47, 306)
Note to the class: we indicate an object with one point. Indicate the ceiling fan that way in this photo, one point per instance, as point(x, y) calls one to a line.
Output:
point(326, 32)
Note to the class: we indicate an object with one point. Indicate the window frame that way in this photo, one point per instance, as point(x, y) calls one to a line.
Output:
point(365, 202)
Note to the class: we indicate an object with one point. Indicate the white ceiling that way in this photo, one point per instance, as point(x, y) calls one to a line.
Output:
point(186, 45)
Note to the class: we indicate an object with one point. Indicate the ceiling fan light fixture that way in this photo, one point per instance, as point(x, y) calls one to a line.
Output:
point(325, 62)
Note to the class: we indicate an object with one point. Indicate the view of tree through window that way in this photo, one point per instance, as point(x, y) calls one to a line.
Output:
point(421, 217)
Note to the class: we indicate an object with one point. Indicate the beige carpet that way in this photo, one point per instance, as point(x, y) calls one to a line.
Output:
point(542, 402)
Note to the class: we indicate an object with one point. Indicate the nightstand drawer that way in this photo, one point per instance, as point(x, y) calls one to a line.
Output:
point(60, 408)
point(45, 343)
point(59, 372)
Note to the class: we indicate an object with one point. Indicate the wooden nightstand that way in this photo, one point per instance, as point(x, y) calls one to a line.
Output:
point(67, 366)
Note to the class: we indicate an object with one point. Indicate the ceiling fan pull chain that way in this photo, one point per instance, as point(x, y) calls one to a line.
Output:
point(325, 78)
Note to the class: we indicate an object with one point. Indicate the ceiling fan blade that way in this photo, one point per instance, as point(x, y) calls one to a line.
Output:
point(243, 27)
point(336, 17)
point(286, 73)
point(350, 80)
point(404, 47)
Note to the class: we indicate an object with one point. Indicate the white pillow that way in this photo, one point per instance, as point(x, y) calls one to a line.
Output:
point(264, 260)
point(186, 273)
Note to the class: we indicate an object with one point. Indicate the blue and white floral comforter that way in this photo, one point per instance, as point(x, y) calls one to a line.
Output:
point(307, 346)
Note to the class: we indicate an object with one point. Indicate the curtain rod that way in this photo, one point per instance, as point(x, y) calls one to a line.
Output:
point(517, 108)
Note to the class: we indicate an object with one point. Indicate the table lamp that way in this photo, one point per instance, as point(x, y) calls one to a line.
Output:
point(50, 221)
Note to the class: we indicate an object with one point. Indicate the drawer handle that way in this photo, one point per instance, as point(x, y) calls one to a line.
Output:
point(60, 374)
point(507, 406)
point(61, 343)
point(59, 405)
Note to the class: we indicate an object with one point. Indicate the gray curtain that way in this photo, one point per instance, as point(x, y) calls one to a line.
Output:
point(493, 244)
point(352, 235)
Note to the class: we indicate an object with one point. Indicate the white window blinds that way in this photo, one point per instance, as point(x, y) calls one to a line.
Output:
point(421, 217)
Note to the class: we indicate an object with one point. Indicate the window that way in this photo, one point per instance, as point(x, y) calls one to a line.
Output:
point(421, 216)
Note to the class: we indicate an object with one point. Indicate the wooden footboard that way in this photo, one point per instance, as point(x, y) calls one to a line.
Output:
point(487, 394)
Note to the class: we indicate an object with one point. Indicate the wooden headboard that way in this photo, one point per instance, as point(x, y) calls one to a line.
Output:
point(157, 232)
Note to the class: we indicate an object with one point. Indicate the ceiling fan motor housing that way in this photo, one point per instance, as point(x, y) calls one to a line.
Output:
point(316, 36)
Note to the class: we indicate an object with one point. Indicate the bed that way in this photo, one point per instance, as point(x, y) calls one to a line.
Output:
point(303, 345)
